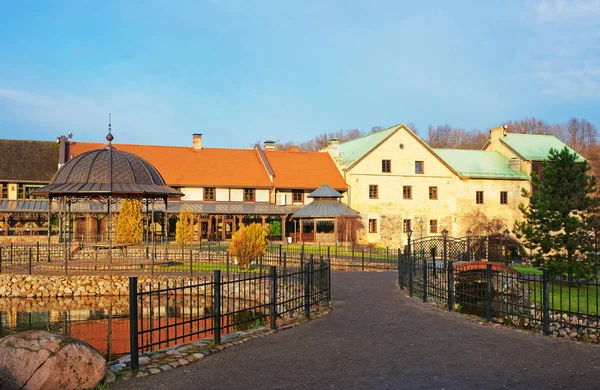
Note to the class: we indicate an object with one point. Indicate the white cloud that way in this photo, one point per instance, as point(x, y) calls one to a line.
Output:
point(564, 10)
point(564, 51)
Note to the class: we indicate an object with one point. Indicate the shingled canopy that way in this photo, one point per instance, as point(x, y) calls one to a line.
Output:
point(323, 214)
point(105, 174)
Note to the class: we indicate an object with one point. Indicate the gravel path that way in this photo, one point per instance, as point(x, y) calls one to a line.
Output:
point(379, 339)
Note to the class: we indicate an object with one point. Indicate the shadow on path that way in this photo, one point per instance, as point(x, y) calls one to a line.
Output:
point(377, 338)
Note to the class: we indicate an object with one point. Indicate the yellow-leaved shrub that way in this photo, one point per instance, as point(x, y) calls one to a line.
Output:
point(184, 231)
point(130, 226)
point(248, 244)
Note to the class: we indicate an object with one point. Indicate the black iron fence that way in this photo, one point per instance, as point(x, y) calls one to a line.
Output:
point(495, 248)
point(190, 259)
point(163, 315)
point(560, 306)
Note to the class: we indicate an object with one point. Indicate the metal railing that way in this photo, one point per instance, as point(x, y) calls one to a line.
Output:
point(190, 259)
point(559, 306)
point(214, 306)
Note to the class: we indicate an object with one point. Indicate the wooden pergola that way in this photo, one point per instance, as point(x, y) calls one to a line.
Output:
point(325, 209)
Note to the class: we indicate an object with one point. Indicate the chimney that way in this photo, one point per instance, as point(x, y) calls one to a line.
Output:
point(269, 145)
point(514, 164)
point(63, 149)
point(495, 135)
point(333, 147)
point(197, 141)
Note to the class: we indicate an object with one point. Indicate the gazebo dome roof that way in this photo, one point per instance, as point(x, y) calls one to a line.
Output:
point(105, 172)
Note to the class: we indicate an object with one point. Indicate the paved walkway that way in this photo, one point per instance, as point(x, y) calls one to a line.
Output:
point(376, 338)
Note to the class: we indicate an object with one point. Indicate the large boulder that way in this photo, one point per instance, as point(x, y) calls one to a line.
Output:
point(43, 360)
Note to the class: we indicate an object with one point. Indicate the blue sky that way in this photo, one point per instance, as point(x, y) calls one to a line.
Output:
point(246, 71)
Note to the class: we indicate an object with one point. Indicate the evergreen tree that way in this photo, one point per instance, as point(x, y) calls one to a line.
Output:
point(558, 221)
point(184, 231)
point(130, 227)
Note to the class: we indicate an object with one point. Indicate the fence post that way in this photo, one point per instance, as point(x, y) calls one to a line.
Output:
point(191, 262)
point(424, 280)
point(12, 253)
point(545, 301)
point(227, 261)
point(400, 276)
point(284, 261)
point(217, 306)
point(133, 322)
point(329, 281)
point(37, 252)
point(30, 259)
point(410, 276)
point(279, 262)
point(450, 286)
point(488, 294)
point(273, 313)
point(307, 291)
point(363, 259)
point(1, 250)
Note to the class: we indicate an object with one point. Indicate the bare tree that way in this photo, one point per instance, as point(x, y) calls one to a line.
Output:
point(580, 134)
point(481, 224)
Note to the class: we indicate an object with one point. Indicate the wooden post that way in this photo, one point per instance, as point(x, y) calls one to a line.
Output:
point(223, 237)
point(199, 228)
point(283, 228)
point(6, 227)
point(335, 230)
point(209, 232)
point(301, 229)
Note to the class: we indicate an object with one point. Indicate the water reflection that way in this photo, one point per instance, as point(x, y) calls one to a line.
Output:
point(102, 322)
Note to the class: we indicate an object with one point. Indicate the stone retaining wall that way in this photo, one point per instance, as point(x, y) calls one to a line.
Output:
point(42, 286)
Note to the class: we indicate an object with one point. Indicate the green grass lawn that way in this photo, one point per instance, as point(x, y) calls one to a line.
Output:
point(184, 267)
point(526, 269)
point(576, 298)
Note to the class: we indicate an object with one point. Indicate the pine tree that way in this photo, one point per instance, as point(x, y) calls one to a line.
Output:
point(248, 243)
point(130, 227)
point(184, 231)
point(557, 222)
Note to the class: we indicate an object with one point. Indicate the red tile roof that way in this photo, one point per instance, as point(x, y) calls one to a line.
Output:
point(295, 169)
point(242, 168)
point(184, 166)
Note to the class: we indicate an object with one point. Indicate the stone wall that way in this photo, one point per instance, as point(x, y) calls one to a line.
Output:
point(41, 286)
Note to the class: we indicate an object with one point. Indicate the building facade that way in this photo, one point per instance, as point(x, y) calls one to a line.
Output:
point(397, 182)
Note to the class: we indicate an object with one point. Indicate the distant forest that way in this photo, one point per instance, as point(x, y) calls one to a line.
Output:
point(580, 134)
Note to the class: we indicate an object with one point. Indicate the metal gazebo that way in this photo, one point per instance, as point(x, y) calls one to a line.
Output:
point(105, 174)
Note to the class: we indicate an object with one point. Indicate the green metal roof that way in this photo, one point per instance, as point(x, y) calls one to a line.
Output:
point(354, 150)
point(535, 147)
point(479, 164)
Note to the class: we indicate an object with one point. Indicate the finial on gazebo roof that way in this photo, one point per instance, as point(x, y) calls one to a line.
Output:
point(109, 136)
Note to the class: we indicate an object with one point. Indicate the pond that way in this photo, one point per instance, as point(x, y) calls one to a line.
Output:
point(102, 322)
